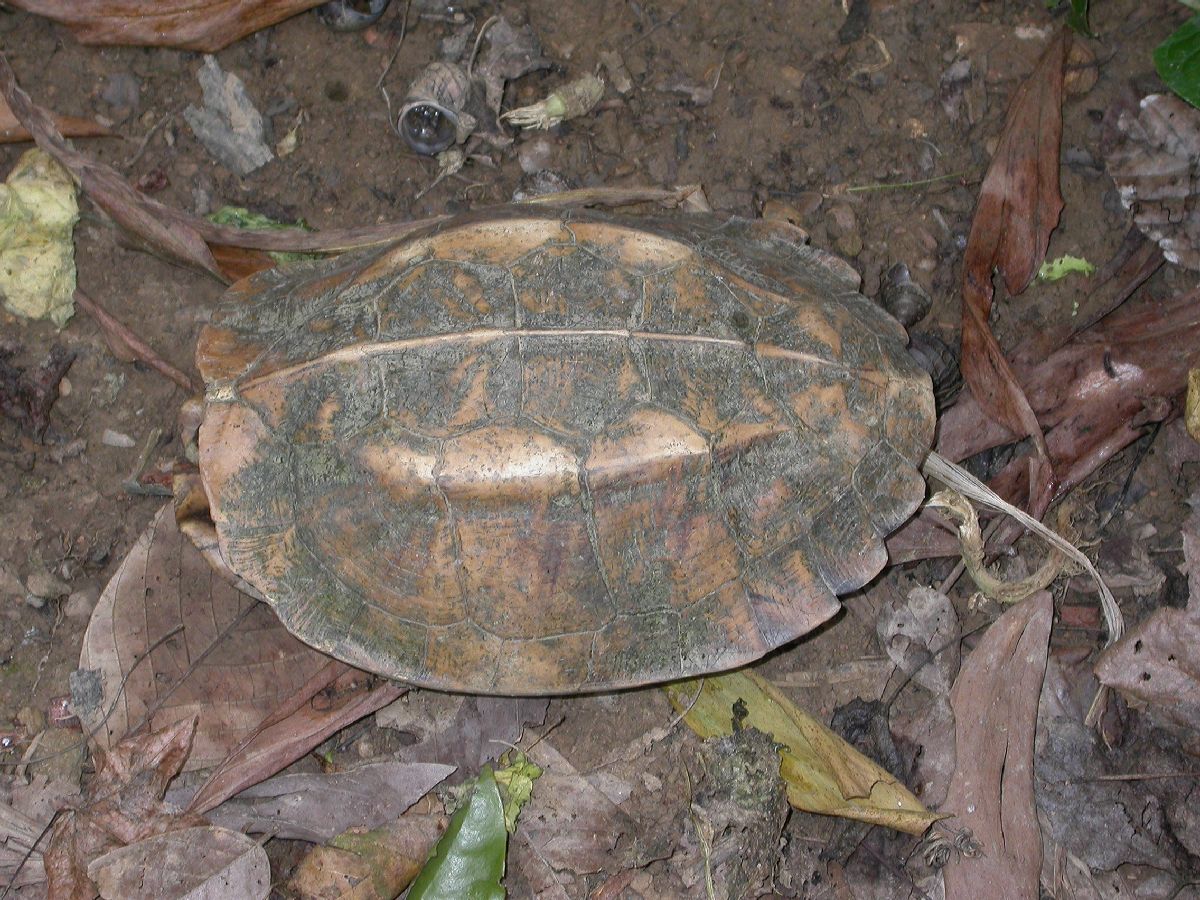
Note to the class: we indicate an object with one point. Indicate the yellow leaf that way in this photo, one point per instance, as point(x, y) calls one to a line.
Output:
point(822, 772)
point(38, 211)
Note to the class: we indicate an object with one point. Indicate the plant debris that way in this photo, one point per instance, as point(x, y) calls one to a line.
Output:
point(207, 26)
point(228, 124)
point(38, 212)
point(27, 396)
point(1155, 170)
point(572, 100)
point(995, 702)
point(1019, 205)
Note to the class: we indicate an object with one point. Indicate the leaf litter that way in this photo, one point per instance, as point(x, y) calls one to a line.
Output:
point(1084, 429)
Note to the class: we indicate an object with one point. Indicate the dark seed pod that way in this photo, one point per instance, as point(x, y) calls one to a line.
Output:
point(903, 297)
point(434, 116)
point(941, 361)
point(351, 15)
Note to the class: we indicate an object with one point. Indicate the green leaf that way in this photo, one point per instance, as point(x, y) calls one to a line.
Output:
point(516, 776)
point(1178, 61)
point(1077, 18)
point(1052, 270)
point(240, 217)
point(468, 861)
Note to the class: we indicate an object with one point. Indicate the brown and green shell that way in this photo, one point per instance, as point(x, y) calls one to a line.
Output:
point(536, 452)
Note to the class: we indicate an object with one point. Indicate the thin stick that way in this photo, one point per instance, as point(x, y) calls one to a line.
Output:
point(901, 185)
point(118, 330)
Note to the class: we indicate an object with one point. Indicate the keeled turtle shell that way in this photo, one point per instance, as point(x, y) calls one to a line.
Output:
point(536, 452)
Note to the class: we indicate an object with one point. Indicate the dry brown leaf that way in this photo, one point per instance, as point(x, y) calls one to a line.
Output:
point(231, 681)
point(1158, 661)
point(205, 25)
point(570, 824)
point(1155, 169)
point(122, 805)
point(318, 807)
point(22, 823)
point(240, 262)
point(12, 132)
point(334, 697)
point(375, 865)
point(1019, 205)
point(200, 863)
point(1093, 396)
point(458, 729)
point(995, 703)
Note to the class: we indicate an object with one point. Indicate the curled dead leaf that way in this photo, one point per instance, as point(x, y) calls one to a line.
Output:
point(1155, 170)
point(207, 25)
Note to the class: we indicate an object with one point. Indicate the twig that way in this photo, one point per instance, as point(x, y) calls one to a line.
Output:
point(116, 329)
point(902, 185)
point(395, 53)
point(145, 142)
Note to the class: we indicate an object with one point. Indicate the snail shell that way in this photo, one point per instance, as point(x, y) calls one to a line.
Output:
point(906, 300)
point(341, 16)
point(434, 117)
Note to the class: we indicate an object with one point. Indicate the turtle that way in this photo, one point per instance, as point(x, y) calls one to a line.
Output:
point(535, 451)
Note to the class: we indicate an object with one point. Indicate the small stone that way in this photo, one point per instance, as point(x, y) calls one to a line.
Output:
point(42, 584)
point(791, 77)
point(10, 584)
point(849, 244)
point(32, 720)
point(81, 602)
point(112, 438)
point(60, 453)
point(122, 90)
point(843, 219)
point(535, 155)
point(618, 75)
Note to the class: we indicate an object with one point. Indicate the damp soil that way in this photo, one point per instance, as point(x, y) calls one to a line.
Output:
point(778, 107)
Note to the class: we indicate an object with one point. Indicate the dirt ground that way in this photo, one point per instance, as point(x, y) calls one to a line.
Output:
point(865, 144)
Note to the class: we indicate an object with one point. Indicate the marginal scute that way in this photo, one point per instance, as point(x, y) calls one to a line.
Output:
point(786, 596)
point(533, 451)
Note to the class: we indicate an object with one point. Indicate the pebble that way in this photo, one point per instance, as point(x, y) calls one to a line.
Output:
point(112, 438)
point(31, 719)
point(81, 602)
point(844, 224)
point(60, 453)
point(43, 585)
point(843, 219)
point(535, 155)
point(122, 90)
point(10, 584)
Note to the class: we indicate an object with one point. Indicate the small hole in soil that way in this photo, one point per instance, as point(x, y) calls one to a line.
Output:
point(1145, 676)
